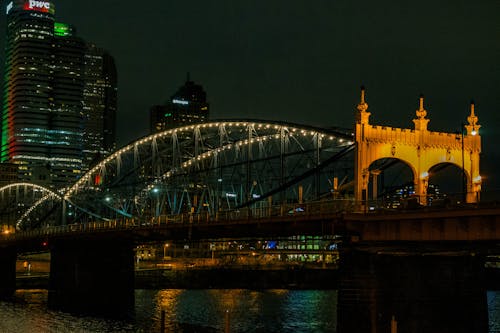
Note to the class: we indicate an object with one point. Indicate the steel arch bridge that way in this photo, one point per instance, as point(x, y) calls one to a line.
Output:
point(19, 200)
point(207, 168)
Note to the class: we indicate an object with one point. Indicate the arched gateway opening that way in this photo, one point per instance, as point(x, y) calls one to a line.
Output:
point(422, 150)
point(450, 181)
point(391, 182)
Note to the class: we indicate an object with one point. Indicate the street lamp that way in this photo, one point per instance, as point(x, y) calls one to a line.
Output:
point(165, 250)
point(464, 188)
point(464, 178)
point(477, 179)
point(473, 132)
point(461, 138)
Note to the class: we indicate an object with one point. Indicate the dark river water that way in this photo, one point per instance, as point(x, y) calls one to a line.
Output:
point(196, 311)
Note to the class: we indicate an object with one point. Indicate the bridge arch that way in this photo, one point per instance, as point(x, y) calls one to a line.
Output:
point(378, 168)
point(419, 147)
point(31, 186)
point(19, 200)
point(236, 161)
point(450, 179)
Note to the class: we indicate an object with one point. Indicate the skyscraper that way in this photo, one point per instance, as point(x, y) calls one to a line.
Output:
point(66, 118)
point(45, 91)
point(187, 106)
point(99, 105)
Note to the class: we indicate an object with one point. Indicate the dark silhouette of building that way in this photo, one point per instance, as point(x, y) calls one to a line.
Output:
point(187, 106)
point(99, 105)
point(8, 173)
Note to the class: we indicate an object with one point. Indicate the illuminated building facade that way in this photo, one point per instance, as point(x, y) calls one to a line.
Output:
point(99, 105)
point(419, 148)
point(41, 114)
point(46, 96)
point(65, 118)
point(187, 106)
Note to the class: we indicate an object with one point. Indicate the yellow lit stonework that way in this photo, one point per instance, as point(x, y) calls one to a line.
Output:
point(419, 148)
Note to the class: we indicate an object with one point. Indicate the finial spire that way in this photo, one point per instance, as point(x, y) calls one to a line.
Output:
point(473, 127)
point(421, 112)
point(362, 115)
point(362, 106)
point(421, 122)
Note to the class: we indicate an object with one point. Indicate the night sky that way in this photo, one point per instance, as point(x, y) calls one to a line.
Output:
point(303, 61)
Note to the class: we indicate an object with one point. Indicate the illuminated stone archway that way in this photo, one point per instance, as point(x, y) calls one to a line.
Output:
point(405, 173)
point(420, 148)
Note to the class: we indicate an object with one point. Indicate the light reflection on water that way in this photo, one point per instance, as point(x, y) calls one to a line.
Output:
point(249, 310)
point(28, 313)
point(185, 311)
point(493, 298)
point(196, 311)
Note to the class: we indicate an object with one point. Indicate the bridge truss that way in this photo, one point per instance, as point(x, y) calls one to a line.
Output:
point(26, 203)
point(212, 167)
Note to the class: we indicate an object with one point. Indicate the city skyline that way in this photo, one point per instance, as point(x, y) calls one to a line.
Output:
point(287, 60)
point(42, 94)
point(59, 97)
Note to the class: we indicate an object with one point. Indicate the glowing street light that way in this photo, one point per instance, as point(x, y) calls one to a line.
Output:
point(165, 249)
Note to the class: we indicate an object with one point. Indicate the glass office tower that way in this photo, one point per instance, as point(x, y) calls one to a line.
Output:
point(59, 97)
point(99, 105)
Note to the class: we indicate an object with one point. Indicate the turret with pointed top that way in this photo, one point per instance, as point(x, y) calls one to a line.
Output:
point(421, 122)
point(473, 127)
point(362, 116)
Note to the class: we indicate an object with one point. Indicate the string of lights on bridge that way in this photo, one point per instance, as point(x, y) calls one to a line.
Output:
point(285, 130)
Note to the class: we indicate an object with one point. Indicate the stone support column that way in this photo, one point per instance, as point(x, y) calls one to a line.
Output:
point(430, 293)
point(92, 275)
point(7, 271)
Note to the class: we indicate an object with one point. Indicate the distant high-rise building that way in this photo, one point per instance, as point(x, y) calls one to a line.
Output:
point(187, 106)
point(41, 114)
point(45, 91)
point(99, 105)
point(66, 118)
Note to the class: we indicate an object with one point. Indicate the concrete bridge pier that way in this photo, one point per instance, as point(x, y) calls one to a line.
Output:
point(93, 276)
point(417, 292)
point(8, 258)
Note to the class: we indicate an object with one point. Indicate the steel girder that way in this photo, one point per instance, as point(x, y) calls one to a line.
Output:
point(210, 167)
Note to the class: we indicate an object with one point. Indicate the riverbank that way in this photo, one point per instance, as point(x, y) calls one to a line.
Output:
point(215, 278)
point(237, 278)
point(232, 278)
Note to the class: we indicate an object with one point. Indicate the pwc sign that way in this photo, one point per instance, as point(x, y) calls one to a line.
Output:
point(39, 6)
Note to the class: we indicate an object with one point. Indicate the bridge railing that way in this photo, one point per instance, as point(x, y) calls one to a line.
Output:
point(244, 215)
point(89, 227)
point(288, 210)
point(284, 212)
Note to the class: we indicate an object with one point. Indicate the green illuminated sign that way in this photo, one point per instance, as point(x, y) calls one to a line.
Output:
point(62, 29)
point(168, 115)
